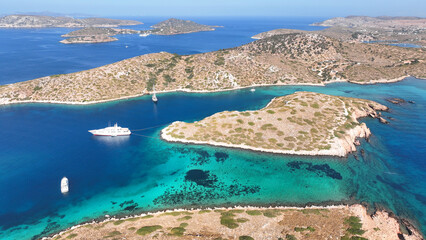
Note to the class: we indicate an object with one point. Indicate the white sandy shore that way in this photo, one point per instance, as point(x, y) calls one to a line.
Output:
point(6, 102)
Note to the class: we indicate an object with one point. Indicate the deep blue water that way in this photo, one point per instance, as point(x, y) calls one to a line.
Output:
point(41, 143)
point(31, 53)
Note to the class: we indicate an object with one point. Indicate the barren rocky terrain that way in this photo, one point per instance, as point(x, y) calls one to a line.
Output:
point(385, 30)
point(175, 26)
point(302, 123)
point(340, 222)
point(292, 58)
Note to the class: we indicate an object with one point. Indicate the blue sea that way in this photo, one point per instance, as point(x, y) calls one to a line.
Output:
point(41, 143)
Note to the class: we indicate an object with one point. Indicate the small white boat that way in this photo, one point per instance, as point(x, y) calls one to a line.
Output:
point(144, 35)
point(154, 97)
point(111, 131)
point(64, 185)
point(252, 90)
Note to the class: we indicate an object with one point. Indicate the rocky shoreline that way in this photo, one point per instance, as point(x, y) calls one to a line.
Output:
point(380, 225)
point(185, 90)
point(342, 143)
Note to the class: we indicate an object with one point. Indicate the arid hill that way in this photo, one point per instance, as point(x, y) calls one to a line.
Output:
point(293, 58)
point(386, 30)
point(175, 26)
point(303, 123)
point(336, 222)
point(35, 21)
point(95, 35)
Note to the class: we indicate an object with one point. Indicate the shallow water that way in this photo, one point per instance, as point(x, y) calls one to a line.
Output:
point(41, 143)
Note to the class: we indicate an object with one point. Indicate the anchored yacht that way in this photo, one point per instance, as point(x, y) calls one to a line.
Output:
point(64, 185)
point(111, 131)
point(154, 97)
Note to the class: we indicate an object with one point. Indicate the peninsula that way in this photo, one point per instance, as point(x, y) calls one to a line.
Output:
point(36, 21)
point(384, 30)
point(286, 59)
point(303, 123)
point(249, 223)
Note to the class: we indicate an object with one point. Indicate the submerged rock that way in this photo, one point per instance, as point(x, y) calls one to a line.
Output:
point(395, 100)
point(384, 121)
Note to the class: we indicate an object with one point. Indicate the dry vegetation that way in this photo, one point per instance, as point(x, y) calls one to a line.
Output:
point(301, 123)
point(247, 223)
point(293, 58)
point(383, 30)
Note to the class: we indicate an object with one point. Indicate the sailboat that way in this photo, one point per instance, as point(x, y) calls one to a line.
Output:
point(154, 97)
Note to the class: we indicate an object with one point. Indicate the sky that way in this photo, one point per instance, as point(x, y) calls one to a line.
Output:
point(315, 8)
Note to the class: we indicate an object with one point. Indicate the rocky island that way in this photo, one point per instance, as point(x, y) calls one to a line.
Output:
point(286, 59)
point(35, 21)
point(171, 26)
point(384, 30)
point(304, 123)
point(175, 26)
point(95, 35)
point(249, 223)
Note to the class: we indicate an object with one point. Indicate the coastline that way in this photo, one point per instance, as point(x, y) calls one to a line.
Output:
point(341, 147)
point(389, 223)
point(331, 152)
point(185, 90)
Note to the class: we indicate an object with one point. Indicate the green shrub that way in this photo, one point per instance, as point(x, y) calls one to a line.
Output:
point(251, 123)
point(242, 220)
point(177, 231)
point(204, 211)
point(36, 88)
point(184, 218)
point(227, 219)
point(290, 237)
point(270, 111)
point(118, 222)
point(271, 213)
point(240, 121)
point(148, 229)
point(315, 105)
point(72, 235)
point(254, 212)
point(245, 238)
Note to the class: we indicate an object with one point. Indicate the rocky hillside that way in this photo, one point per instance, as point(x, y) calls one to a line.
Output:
point(174, 26)
point(384, 30)
point(35, 21)
point(364, 21)
point(95, 35)
point(295, 58)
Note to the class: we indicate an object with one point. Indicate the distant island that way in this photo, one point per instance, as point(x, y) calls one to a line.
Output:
point(303, 123)
point(248, 223)
point(175, 26)
point(388, 30)
point(95, 35)
point(36, 21)
point(171, 26)
point(286, 59)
